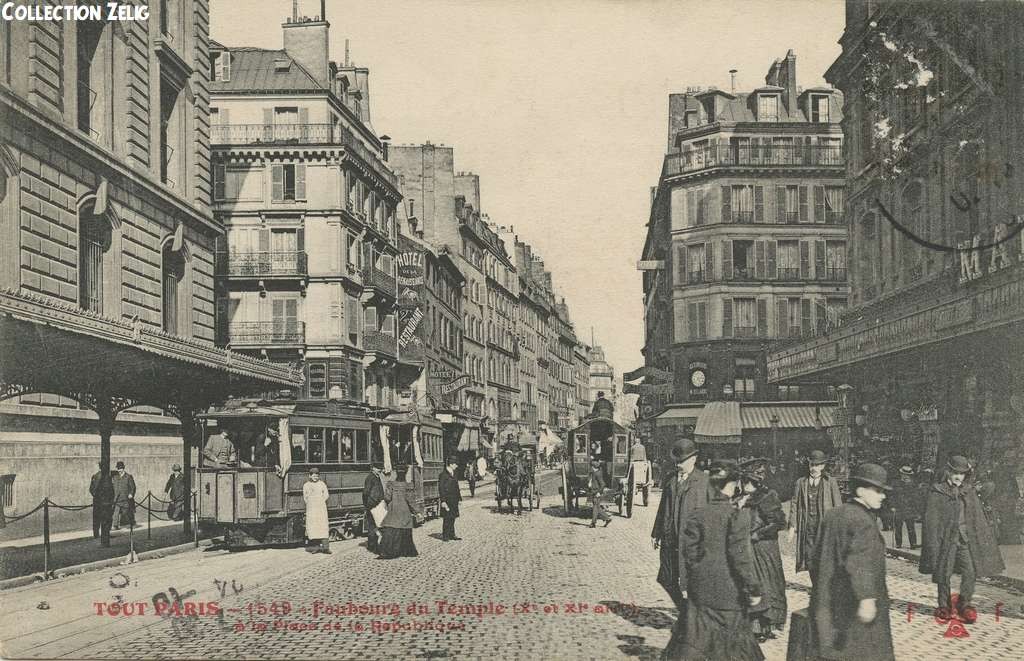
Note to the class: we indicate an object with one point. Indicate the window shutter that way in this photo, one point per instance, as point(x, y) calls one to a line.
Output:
point(766, 146)
point(218, 181)
point(681, 264)
point(225, 66)
point(819, 204)
point(300, 181)
point(758, 204)
point(805, 260)
point(268, 116)
point(264, 240)
point(808, 151)
point(805, 316)
point(726, 204)
point(702, 322)
point(819, 260)
point(820, 315)
point(759, 260)
point(352, 312)
point(709, 262)
point(277, 183)
point(303, 116)
point(803, 205)
point(727, 260)
point(691, 208)
point(783, 317)
point(762, 317)
point(780, 205)
point(771, 272)
point(726, 317)
point(691, 320)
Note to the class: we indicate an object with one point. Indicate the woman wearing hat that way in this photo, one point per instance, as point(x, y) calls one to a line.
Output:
point(849, 598)
point(175, 490)
point(396, 528)
point(315, 494)
point(957, 538)
point(766, 520)
point(813, 496)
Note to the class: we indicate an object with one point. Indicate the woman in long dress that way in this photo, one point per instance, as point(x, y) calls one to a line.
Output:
point(766, 520)
point(396, 528)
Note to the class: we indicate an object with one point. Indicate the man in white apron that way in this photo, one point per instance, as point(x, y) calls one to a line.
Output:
point(314, 492)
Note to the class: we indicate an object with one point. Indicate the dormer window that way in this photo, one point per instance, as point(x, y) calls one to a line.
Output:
point(690, 119)
point(819, 108)
point(767, 107)
point(222, 66)
point(282, 64)
point(709, 110)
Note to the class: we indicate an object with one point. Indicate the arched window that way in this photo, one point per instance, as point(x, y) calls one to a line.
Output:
point(176, 298)
point(10, 232)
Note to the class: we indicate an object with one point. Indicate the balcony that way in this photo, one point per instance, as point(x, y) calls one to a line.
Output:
point(789, 217)
point(744, 331)
point(284, 264)
point(695, 277)
point(378, 279)
point(835, 274)
point(771, 156)
point(380, 342)
point(266, 333)
point(788, 273)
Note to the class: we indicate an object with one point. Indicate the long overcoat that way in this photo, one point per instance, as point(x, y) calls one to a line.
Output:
point(718, 560)
point(678, 501)
point(448, 491)
point(401, 500)
point(850, 559)
point(315, 494)
point(828, 498)
point(942, 530)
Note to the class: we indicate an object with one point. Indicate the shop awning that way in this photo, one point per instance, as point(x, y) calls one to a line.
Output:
point(679, 415)
point(803, 416)
point(719, 422)
point(469, 440)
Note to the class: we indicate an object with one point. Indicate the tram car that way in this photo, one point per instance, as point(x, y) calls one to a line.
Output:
point(600, 437)
point(257, 455)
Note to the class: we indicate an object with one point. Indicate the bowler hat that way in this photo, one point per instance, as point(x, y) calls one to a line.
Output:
point(314, 469)
point(176, 467)
point(450, 461)
point(120, 464)
point(871, 475)
point(817, 457)
point(906, 470)
point(958, 464)
point(683, 449)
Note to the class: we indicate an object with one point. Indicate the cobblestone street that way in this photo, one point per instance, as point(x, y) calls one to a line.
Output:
point(547, 586)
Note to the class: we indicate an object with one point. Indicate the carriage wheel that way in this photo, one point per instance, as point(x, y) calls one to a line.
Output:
point(566, 497)
point(630, 490)
point(620, 501)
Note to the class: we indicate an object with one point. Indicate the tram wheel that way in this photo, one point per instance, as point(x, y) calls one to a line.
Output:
point(336, 535)
point(347, 532)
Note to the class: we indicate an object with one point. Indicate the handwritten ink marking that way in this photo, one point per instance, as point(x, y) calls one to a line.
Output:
point(119, 580)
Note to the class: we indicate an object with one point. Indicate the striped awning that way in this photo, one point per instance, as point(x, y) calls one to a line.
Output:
point(685, 414)
point(719, 422)
point(800, 416)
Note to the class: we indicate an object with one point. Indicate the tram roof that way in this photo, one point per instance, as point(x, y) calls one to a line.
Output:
point(586, 424)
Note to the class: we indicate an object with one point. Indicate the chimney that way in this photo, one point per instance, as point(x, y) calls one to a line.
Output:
point(385, 142)
point(359, 89)
point(789, 73)
point(460, 205)
point(305, 41)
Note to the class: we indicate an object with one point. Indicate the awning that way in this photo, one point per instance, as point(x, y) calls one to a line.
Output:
point(719, 422)
point(469, 440)
point(679, 415)
point(802, 416)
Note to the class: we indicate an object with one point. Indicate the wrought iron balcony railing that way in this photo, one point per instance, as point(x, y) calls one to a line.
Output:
point(262, 263)
point(789, 273)
point(265, 333)
point(835, 274)
point(695, 277)
point(374, 277)
point(744, 331)
point(378, 341)
point(695, 160)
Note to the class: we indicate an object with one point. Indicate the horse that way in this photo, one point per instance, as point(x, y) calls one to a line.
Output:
point(511, 482)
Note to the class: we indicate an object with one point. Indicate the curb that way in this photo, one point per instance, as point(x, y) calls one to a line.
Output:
point(1006, 582)
point(62, 572)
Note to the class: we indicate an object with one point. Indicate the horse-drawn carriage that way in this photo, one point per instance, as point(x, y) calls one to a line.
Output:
point(516, 475)
point(625, 471)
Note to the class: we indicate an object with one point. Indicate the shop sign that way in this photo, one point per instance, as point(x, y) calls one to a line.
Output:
point(410, 300)
point(969, 251)
point(410, 269)
point(928, 414)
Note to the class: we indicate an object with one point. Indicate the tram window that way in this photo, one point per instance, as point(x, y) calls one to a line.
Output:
point(581, 443)
point(346, 446)
point(362, 445)
point(376, 448)
point(315, 455)
point(331, 451)
point(620, 444)
point(298, 445)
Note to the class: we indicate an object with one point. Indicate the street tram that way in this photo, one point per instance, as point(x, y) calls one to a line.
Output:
point(257, 455)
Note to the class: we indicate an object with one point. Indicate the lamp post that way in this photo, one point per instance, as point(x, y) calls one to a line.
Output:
point(774, 422)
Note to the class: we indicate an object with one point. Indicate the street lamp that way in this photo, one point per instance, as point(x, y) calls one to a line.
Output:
point(774, 422)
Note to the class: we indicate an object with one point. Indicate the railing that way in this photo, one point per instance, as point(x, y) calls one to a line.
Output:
point(262, 333)
point(744, 331)
point(380, 342)
point(695, 277)
point(835, 274)
point(745, 217)
point(789, 217)
point(374, 277)
point(788, 273)
point(260, 264)
point(694, 160)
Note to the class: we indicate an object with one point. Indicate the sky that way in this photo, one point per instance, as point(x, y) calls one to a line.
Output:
point(560, 106)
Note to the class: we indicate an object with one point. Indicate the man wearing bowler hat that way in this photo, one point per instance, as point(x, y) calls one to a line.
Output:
point(813, 496)
point(683, 492)
point(450, 495)
point(849, 597)
point(904, 500)
point(957, 539)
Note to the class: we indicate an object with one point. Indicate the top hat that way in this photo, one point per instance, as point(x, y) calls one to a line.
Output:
point(817, 458)
point(906, 470)
point(120, 464)
point(176, 467)
point(958, 464)
point(871, 475)
point(683, 449)
point(314, 469)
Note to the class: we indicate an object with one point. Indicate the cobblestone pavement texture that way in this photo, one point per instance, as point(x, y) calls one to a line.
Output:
point(539, 562)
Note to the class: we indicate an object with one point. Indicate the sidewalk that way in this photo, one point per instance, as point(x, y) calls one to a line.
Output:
point(1013, 558)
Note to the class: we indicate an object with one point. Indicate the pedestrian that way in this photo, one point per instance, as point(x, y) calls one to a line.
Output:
point(471, 477)
point(905, 506)
point(638, 452)
point(315, 495)
point(124, 497)
point(373, 496)
point(396, 538)
point(101, 488)
point(450, 495)
point(595, 489)
point(683, 491)
point(849, 599)
point(175, 491)
point(813, 496)
point(717, 575)
point(766, 521)
point(957, 540)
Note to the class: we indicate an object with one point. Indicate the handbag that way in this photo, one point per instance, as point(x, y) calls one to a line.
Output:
point(378, 512)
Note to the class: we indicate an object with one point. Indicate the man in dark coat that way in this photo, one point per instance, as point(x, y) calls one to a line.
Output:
point(904, 501)
point(102, 491)
point(124, 497)
point(595, 489)
point(682, 492)
point(175, 491)
point(813, 496)
point(849, 598)
point(957, 539)
point(450, 495)
point(373, 495)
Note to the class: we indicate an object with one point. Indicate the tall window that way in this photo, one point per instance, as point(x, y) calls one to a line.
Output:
point(835, 260)
point(93, 242)
point(869, 252)
point(222, 66)
point(695, 264)
point(173, 272)
point(171, 134)
point(744, 378)
point(745, 311)
point(743, 259)
point(819, 108)
point(789, 260)
point(288, 182)
point(768, 108)
point(92, 77)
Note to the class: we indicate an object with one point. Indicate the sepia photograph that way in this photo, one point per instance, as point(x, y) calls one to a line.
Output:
point(592, 329)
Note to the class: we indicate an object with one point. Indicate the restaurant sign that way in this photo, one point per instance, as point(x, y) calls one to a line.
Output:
point(410, 305)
